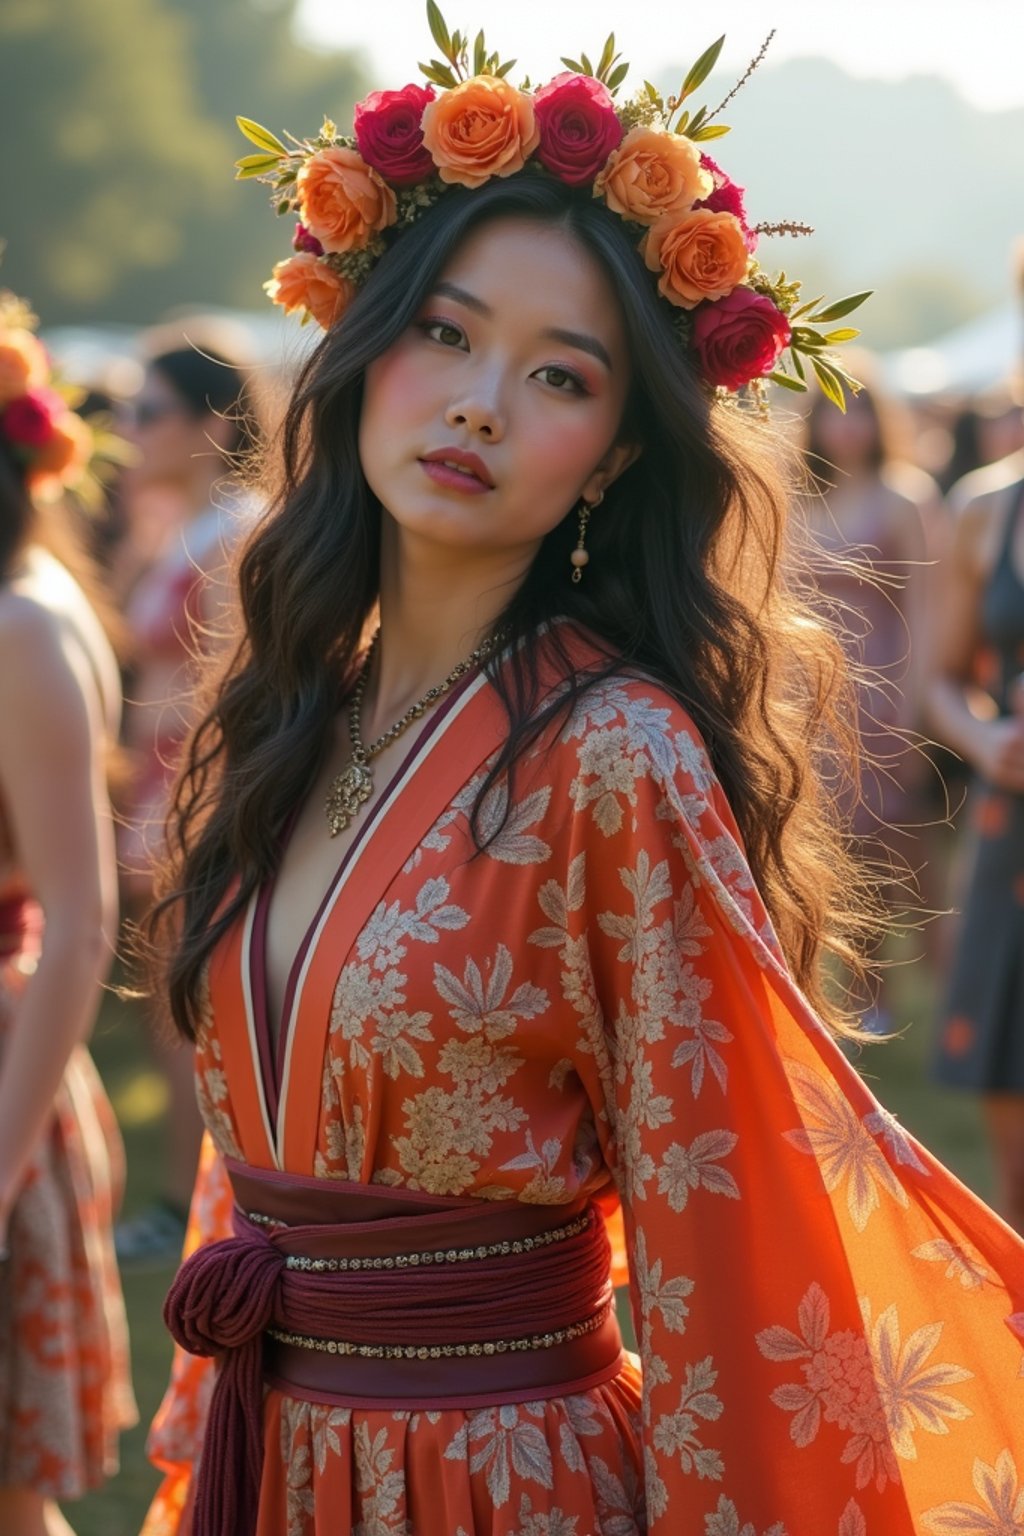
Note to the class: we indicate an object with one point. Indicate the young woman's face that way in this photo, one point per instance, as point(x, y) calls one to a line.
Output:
point(515, 371)
point(168, 434)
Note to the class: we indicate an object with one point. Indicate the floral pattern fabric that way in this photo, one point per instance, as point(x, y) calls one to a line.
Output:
point(831, 1327)
point(65, 1384)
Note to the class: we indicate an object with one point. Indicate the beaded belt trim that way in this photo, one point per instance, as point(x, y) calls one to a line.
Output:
point(438, 1256)
point(443, 1351)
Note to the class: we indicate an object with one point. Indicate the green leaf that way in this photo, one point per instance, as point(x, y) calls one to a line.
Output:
point(607, 55)
point(681, 123)
point(574, 65)
point(788, 383)
point(261, 137)
point(616, 77)
point(831, 383)
point(479, 54)
point(438, 28)
point(703, 67)
point(440, 74)
point(798, 367)
point(653, 94)
point(588, 68)
point(806, 339)
point(255, 165)
point(503, 69)
point(709, 131)
point(698, 117)
point(804, 309)
point(834, 338)
point(843, 307)
point(283, 207)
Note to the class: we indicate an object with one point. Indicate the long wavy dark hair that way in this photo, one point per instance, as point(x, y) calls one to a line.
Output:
point(692, 581)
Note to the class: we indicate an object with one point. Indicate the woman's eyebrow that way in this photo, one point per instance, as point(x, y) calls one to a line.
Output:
point(578, 339)
point(582, 342)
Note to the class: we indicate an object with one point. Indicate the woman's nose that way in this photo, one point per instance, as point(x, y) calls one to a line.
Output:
point(480, 412)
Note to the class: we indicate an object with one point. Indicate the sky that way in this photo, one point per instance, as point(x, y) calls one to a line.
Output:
point(978, 46)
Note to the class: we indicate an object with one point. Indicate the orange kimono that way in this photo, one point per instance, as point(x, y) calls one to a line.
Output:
point(831, 1327)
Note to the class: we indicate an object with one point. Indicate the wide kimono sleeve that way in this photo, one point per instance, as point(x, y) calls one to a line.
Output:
point(830, 1324)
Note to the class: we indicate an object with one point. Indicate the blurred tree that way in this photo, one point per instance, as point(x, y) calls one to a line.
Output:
point(116, 192)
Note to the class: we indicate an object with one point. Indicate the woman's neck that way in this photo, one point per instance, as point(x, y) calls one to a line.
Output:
point(435, 609)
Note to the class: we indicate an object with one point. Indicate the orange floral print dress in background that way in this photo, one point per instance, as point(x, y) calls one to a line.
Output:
point(831, 1327)
point(65, 1384)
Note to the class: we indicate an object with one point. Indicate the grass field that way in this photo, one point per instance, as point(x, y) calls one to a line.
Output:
point(948, 1123)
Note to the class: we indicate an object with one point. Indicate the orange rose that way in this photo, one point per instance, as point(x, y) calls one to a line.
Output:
point(703, 255)
point(343, 201)
point(653, 173)
point(481, 128)
point(305, 282)
point(64, 455)
point(23, 364)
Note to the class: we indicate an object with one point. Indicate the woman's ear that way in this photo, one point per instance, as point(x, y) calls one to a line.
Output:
point(615, 463)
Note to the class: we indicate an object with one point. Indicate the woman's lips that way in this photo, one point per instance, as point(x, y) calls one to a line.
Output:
point(454, 479)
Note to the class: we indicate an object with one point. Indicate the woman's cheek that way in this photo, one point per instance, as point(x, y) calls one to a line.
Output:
point(568, 450)
point(394, 384)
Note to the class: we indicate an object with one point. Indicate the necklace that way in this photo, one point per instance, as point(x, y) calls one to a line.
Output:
point(350, 789)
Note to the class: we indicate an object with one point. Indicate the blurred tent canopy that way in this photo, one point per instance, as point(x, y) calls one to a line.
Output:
point(117, 197)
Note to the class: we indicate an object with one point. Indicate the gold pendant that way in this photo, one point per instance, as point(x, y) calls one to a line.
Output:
point(347, 793)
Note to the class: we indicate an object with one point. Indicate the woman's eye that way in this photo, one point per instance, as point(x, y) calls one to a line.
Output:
point(562, 379)
point(444, 331)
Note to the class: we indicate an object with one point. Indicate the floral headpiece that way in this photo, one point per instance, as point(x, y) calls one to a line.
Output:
point(37, 421)
point(354, 193)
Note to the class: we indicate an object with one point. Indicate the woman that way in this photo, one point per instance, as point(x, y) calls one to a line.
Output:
point(189, 425)
point(981, 1040)
point(875, 519)
point(462, 926)
point(64, 1384)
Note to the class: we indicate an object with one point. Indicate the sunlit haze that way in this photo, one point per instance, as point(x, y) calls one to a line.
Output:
point(978, 48)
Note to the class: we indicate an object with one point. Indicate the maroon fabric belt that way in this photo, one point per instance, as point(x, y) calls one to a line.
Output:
point(368, 1296)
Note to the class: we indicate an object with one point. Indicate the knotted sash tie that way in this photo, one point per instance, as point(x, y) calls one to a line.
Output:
point(228, 1294)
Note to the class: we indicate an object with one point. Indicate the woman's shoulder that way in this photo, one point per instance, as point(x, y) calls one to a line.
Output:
point(51, 643)
point(628, 721)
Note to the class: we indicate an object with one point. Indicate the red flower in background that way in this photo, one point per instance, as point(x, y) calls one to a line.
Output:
point(390, 138)
point(578, 127)
point(29, 420)
point(739, 338)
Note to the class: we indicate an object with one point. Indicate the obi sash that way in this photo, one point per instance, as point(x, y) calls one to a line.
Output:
point(371, 1297)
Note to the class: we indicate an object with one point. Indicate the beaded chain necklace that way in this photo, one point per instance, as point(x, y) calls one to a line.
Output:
point(350, 789)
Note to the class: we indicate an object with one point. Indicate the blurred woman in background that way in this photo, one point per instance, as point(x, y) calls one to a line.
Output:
point(879, 516)
point(64, 1383)
point(189, 424)
point(976, 700)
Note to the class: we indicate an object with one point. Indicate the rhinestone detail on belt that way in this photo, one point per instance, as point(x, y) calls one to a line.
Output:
point(442, 1351)
point(439, 1256)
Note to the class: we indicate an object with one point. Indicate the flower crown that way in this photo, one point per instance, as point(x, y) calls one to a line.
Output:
point(354, 193)
point(47, 437)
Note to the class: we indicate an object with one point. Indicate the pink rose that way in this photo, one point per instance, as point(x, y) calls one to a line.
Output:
point(302, 240)
point(739, 338)
point(578, 127)
point(29, 419)
point(389, 134)
point(727, 197)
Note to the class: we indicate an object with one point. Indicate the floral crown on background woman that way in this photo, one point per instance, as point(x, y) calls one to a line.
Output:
point(56, 448)
point(353, 194)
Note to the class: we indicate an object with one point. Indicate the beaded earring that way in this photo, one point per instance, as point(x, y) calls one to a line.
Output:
point(579, 556)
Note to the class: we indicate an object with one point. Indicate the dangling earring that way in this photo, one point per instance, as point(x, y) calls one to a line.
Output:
point(579, 556)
